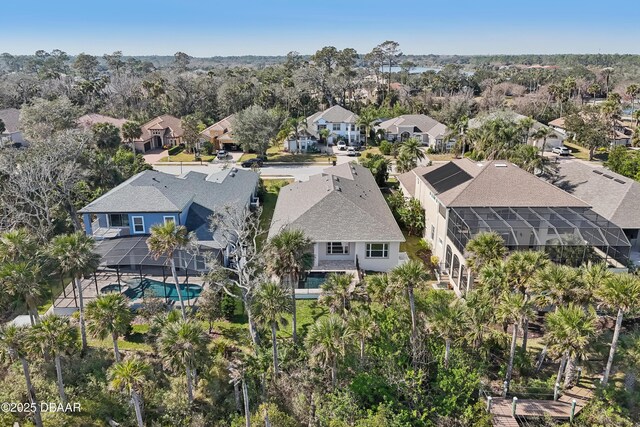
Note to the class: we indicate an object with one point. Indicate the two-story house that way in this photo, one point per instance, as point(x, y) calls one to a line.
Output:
point(428, 131)
point(463, 198)
point(346, 217)
point(340, 122)
point(153, 197)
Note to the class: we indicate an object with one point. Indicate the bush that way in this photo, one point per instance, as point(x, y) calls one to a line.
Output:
point(175, 150)
point(386, 148)
point(228, 306)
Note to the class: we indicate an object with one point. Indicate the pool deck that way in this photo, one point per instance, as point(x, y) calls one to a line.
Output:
point(92, 286)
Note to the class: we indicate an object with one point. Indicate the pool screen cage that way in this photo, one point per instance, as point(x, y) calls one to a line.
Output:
point(132, 253)
point(569, 235)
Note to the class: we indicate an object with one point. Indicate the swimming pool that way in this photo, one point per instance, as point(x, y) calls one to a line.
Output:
point(112, 288)
point(315, 279)
point(147, 287)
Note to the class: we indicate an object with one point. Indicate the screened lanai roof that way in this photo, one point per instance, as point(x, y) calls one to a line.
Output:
point(134, 252)
point(543, 226)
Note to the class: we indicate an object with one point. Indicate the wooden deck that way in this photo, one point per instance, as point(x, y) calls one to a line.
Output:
point(501, 408)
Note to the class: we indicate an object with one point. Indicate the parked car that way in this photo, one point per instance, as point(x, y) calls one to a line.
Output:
point(561, 150)
point(352, 152)
point(222, 155)
point(249, 163)
point(342, 145)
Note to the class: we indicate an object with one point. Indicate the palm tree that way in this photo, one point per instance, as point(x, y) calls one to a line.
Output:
point(327, 341)
point(480, 315)
point(23, 279)
point(269, 305)
point(55, 336)
point(130, 132)
point(75, 256)
point(17, 245)
point(633, 90)
point(165, 240)
point(570, 330)
point(109, 315)
point(130, 376)
point(182, 346)
point(513, 308)
point(337, 293)
point(14, 344)
point(494, 280)
point(557, 285)
point(592, 275)
point(448, 321)
point(288, 259)
point(542, 133)
point(620, 292)
point(363, 326)
point(405, 163)
point(378, 287)
point(366, 120)
point(484, 249)
point(412, 149)
point(238, 374)
point(405, 277)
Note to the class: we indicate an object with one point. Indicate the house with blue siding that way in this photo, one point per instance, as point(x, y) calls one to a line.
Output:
point(153, 197)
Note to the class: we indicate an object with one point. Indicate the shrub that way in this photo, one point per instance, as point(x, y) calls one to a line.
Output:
point(175, 150)
point(208, 148)
point(386, 148)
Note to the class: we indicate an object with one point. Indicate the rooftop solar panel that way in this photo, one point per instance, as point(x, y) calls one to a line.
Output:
point(447, 177)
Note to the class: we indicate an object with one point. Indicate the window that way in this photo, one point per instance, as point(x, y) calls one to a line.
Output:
point(336, 126)
point(337, 248)
point(377, 250)
point(119, 220)
point(169, 219)
point(320, 127)
point(353, 127)
point(433, 232)
point(138, 224)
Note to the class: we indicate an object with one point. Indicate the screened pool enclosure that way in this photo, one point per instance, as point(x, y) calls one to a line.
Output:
point(569, 235)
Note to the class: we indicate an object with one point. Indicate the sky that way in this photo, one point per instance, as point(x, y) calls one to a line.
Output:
point(203, 28)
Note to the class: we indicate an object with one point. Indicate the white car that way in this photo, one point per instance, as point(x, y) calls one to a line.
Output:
point(561, 150)
point(222, 155)
point(352, 152)
point(342, 145)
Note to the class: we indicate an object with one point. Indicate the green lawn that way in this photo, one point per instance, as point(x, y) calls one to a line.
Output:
point(411, 245)
point(185, 157)
point(292, 158)
point(580, 152)
point(135, 341)
point(272, 187)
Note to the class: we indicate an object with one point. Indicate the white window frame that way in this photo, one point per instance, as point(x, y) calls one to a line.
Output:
point(433, 232)
point(332, 248)
point(169, 217)
point(333, 127)
point(133, 224)
point(385, 250)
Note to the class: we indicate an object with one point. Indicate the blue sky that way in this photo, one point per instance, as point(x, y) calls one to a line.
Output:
point(275, 27)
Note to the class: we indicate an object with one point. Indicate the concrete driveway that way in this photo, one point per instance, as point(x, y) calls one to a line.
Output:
point(154, 156)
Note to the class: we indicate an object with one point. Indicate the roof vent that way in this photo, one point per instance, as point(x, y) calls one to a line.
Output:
point(234, 170)
point(607, 176)
point(336, 178)
point(338, 189)
point(501, 165)
point(598, 172)
point(619, 181)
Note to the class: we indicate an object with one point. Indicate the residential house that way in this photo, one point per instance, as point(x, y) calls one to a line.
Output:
point(428, 131)
point(620, 133)
point(163, 131)
point(346, 217)
point(12, 133)
point(611, 195)
point(152, 197)
point(555, 138)
point(340, 122)
point(88, 120)
point(463, 198)
point(220, 134)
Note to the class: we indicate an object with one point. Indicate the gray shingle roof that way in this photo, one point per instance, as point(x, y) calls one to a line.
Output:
point(499, 183)
point(422, 123)
point(202, 194)
point(341, 204)
point(611, 195)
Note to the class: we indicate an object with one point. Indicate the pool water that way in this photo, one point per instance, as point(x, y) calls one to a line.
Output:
point(315, 279)
point(148, 287)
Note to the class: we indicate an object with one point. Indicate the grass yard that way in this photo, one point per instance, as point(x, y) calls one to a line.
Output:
point(284, 157)
point(411, 245)
point(134, 341)
point(582, 153)
point(185, 157)
point(272, 188)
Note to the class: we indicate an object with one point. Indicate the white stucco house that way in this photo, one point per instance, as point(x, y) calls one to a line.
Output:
point(340, 122)
point(425, 129)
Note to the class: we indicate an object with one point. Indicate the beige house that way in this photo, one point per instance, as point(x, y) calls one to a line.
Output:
point(620, 133)
point(462, 198)
point(220, 134)
point(428, 131)
point(162, 131)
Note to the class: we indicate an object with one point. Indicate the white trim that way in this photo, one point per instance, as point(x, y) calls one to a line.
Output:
point(171, 217)
point(133, 224)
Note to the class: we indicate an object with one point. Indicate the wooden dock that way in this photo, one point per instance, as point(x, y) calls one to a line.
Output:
point(502, 408)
